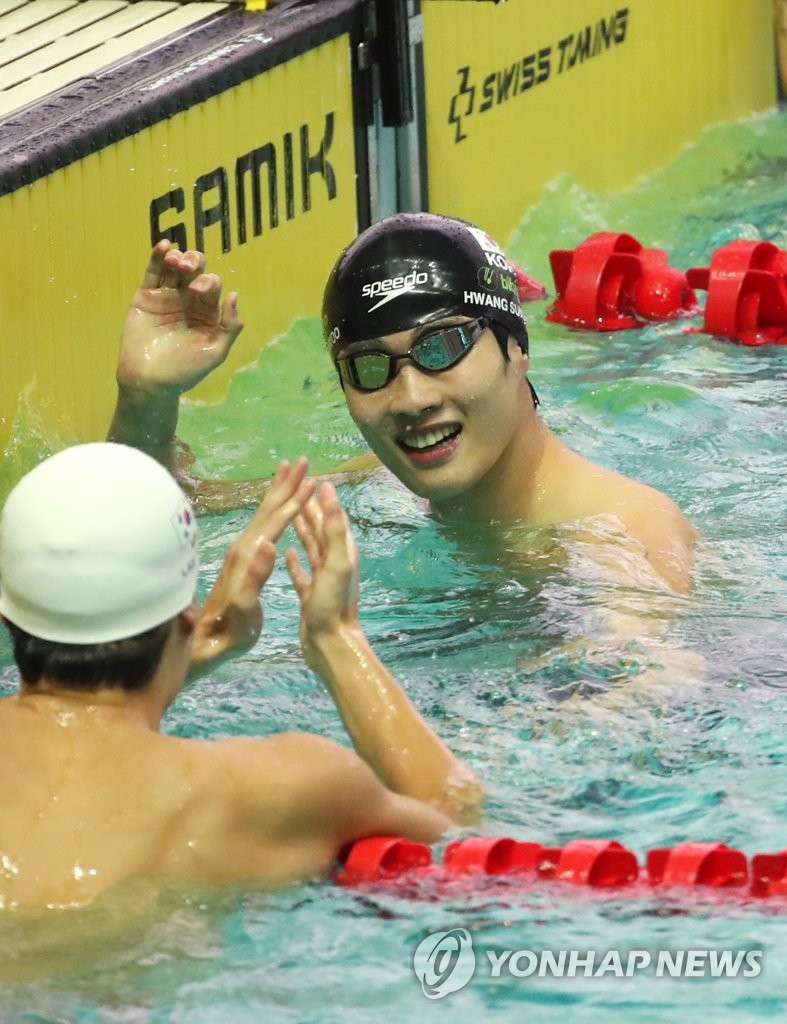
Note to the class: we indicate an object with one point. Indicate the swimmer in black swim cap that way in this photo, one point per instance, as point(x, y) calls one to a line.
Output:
point(415, 268)
point(411, 314)
point(416, 295)
point(422, 320)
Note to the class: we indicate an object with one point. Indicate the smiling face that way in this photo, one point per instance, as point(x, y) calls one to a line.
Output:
point(454, 420)
point(457, 436)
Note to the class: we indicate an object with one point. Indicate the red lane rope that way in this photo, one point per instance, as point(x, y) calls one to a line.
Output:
point(598, 863)
point(610, 282)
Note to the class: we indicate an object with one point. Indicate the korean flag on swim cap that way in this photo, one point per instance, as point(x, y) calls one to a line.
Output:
point(413, 268)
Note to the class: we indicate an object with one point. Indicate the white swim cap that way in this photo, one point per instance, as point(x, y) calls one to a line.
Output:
point(97, 543)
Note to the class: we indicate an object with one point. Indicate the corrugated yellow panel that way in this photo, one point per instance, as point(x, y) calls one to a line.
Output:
point(82, 237)
point(518, 93)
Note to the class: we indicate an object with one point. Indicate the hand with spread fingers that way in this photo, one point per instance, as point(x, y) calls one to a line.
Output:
point(329, 597)
point(177, 329)
point(231, 618)
point(386, 728)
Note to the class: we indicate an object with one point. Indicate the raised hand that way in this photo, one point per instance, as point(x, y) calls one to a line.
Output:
point(385, 726)
point(177, 329)
point(231, 618)
point(329, 596)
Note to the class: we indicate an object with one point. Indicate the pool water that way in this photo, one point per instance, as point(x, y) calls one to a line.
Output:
point(588, 708)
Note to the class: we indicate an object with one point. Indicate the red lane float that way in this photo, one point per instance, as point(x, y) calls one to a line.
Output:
point(381, 857)
point(697, 864)
point(611, 283)
point(746, 284)
point(597, 863)
point(528, 289)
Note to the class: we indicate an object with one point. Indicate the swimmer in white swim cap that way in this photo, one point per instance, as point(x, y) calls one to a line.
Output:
point(97, 543)
point(98, 569)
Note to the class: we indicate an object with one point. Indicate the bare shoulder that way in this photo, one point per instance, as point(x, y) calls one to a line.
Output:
point(649, 516)
point(648, 508)
point(299, 766)
point(666, 533)
point(277, 807)
point(290, 783)
point(297, 751)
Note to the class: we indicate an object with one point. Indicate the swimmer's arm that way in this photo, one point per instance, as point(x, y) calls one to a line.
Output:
point(177, 329)
point(291, 805)
point(147, 421)
point(226, 495)
point(662, 534)
point(217, 496)
point(659, 548)
point(387, 730)
point(231, 618)
point(338, 795)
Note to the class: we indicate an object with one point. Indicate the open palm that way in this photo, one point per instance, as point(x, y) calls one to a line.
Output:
point(176, 329)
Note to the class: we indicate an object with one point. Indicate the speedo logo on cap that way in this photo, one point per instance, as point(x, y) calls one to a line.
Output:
point(392, 288)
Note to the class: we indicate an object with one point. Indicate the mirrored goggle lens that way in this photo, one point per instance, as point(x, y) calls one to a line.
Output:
point(435, 352)
point(371, 371)
point(440, 351)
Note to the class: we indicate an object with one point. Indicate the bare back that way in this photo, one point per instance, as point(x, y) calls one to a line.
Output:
point(92, 796)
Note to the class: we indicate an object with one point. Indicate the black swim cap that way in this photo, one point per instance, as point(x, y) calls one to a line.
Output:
point(412, 268)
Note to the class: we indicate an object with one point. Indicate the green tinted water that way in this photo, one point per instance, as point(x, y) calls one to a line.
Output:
point(504, 657)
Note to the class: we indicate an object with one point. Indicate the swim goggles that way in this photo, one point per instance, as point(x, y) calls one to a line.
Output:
point(372, 369)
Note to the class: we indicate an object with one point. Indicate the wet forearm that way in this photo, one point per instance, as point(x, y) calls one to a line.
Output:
point(387, 730)
point(148, 422)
